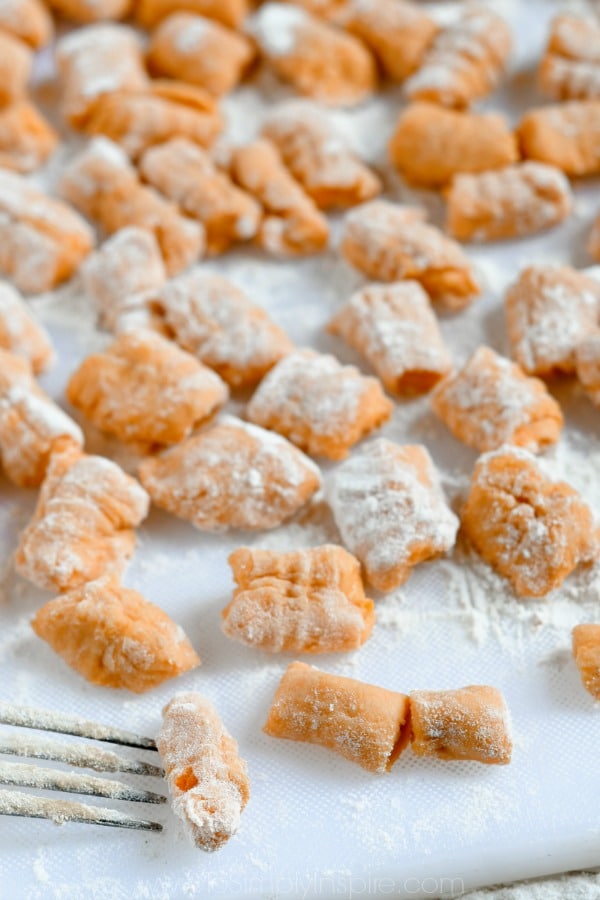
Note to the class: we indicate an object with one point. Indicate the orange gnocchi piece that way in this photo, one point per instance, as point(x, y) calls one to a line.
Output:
point(390, 510)
point(586, 650)
point(318, 404)
point(83, 524)
point(565, 136)
point(230, 13)
point(318, 156)
point(86, 11)
point(431, 145)
point(306, 601)
point(102, 184)
point(549, 311)
point(319, 61)
point(210, 317)
point(570, 67)
point(533, 530)
point(32, 426)
point(16, 60)
point(491, 402)
point(587, 366)
point(144, 389)
point(207, 778)
point(197, 50)
point(364, 723)
point(465, 62)
point(389, 242)
point(114, 637)
point(231, 475)
point(21, 333)
point(28, 20)
point(593, 244)
point(469, 723)
point(393, 326)
point(185, 173)
point(292, 224)
point(27, 140)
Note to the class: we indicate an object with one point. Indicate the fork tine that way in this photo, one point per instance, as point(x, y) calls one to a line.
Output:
point(23, 775)
point(15, 803)
point(84, 756)
point(43, 720)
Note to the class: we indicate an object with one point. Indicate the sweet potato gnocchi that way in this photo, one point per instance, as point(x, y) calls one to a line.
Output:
point(86, 11)
point(586, 650)
point(565, 136)
point(570, 67)
point(16, 60)
point(27, 140)
point(231, 13)
point(21, 333)
point(28, 20)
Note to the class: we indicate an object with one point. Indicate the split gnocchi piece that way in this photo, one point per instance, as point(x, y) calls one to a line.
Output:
point(469, 723)
point(94, 61)
point(197, 50)
point(42, 241)
point(16, 60)
point(430, 145)
point(587, 366)
point(114, 637)
point(364, 723)
point(144, 389)
point(32, 426)
point(27, 140)
point(570, 68)
point(586, 650)
point(393, 326)
point(531, 529)
point(306, 601)
point(103, 185)
point(319, 61)
point(318, 156)
point(207, 778)
point(389, 242)
point(86, 11)
point(513, 202)
point(28, 20)
point(165, 110)
point(549, 311)
point(390, 510)
point(318, 404)
point(230, 13)
point(465, 62)
point(124, 267)
point(210, 317)
point(231, 475)
point(491, 402)
point(21, 333)
point(186, 174)
point(565, 136)
point(292, 224)
point(83, 525)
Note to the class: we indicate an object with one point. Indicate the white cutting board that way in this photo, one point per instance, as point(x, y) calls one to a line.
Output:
point(316, 825)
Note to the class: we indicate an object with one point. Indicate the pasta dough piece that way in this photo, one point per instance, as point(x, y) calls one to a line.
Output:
point(83, 525)
point(491, 402)
point(207, 778)
point(32, 426)
point(549, 310)
point(200, 51)
point(143, 388)
point(292, 224)
point(431, 145)
point(27, 140)
point(94, 61)
point(16, 60)
point(570, 67)
point(21, 333)
point(213, 319)
point(512, 202)
point(28, 20)
point(586, 650)
point(465, 62)
point(531, 529)
point(186, 175)
point(566, 136)
point(317, 60)
point(125, 266)
point(103, 184)
point(390, 509)
point(392, 243)
point(229, 12)
point(318, 156)
point(366, 724)
point(231, 475)
point(114, 637)
point(318, 404)
point(86, 11)
point(395, 329)
point(306, 601)
point(468, 723)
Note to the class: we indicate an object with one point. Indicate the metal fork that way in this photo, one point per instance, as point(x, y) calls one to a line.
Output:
point(80, 755)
